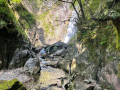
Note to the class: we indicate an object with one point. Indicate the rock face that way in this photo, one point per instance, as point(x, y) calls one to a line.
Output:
point(54, 13)
point(57, 49)
point(9, 43)
point(109, 76)
point(19, 58)
point(11, 35)
point(15, 74)
point(105, 74)
point(11, 85)
point(32, 66)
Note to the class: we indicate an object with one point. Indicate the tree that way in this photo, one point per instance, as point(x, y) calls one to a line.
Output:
point(73, 5)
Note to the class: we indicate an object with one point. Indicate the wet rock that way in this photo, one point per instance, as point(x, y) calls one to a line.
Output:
point(52, 64)
point(11, 85)
point(51, 49)
point(32, 66)
point(42, 53)
point(55, 47)
point(19, 58)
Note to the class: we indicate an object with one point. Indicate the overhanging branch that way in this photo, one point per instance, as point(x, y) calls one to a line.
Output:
point(97, 19)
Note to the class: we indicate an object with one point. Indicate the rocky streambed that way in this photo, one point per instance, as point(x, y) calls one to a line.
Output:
point(58, 67)
point(40, 71)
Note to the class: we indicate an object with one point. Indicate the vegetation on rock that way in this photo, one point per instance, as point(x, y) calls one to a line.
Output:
point(11, 85)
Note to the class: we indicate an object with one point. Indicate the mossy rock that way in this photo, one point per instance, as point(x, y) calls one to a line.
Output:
point(11, 85)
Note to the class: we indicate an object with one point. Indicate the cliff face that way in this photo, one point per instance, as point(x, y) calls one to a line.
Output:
point(52, 19)
point(36, 22)
point(98, 43)
point(12, 35)
point(94, 54)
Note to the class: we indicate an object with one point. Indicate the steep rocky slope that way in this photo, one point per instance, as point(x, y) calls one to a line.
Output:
point(98, 43)
point(12, 35)
point(92, 59)
point(52, 19)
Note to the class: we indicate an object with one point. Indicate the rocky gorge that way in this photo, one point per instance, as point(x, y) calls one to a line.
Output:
point(59, 45)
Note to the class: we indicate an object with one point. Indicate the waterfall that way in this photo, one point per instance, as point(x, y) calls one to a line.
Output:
point(72, 28)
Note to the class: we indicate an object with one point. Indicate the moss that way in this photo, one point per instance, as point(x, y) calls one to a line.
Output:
point(26, 19)
point(15, 1)
point(2, 23)
point(117, 28)
point(58, 3)
point(45, 19)
point(118, 66)
point(11, 85)
point(10, 22)
point(38, 3)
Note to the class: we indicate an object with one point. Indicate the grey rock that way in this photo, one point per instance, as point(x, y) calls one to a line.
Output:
point(32, 66)
point(19, 58)
point(97, 87)
point(42, 53)
point(108, 77)
point(59, 52)
point(60, 44)
point(36, 49)
point(90, 88)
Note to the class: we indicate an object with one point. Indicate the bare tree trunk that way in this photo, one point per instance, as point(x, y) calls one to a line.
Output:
point(81, 7)
point(75, 8)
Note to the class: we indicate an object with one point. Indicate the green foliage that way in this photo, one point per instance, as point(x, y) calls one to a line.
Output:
point(38, 3)
point(2, 23)
point(104, 34)
point(75, 4)
point(8, 20)
point(103, 42)
point(26, 19)
point(15, 1)
point(11, 85)
point(46, 23)
point(94, 4)
point(118, 66)
point(108, 27)
point(58, 3)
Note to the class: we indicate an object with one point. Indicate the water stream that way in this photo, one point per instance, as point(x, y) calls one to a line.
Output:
point(72, 28)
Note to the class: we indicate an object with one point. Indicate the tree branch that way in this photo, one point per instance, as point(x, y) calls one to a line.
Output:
point(81, 7)
point(65, 1)
point(97, 19)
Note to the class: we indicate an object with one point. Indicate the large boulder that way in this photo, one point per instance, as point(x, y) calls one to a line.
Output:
point(57, 46)
point(60, 52)
point(60, 44)
point(11, 85)
point(36, 49)
point(32, 66)
point(19, 58)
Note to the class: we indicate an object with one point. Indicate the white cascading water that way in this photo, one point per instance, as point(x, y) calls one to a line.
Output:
point(72, 28)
